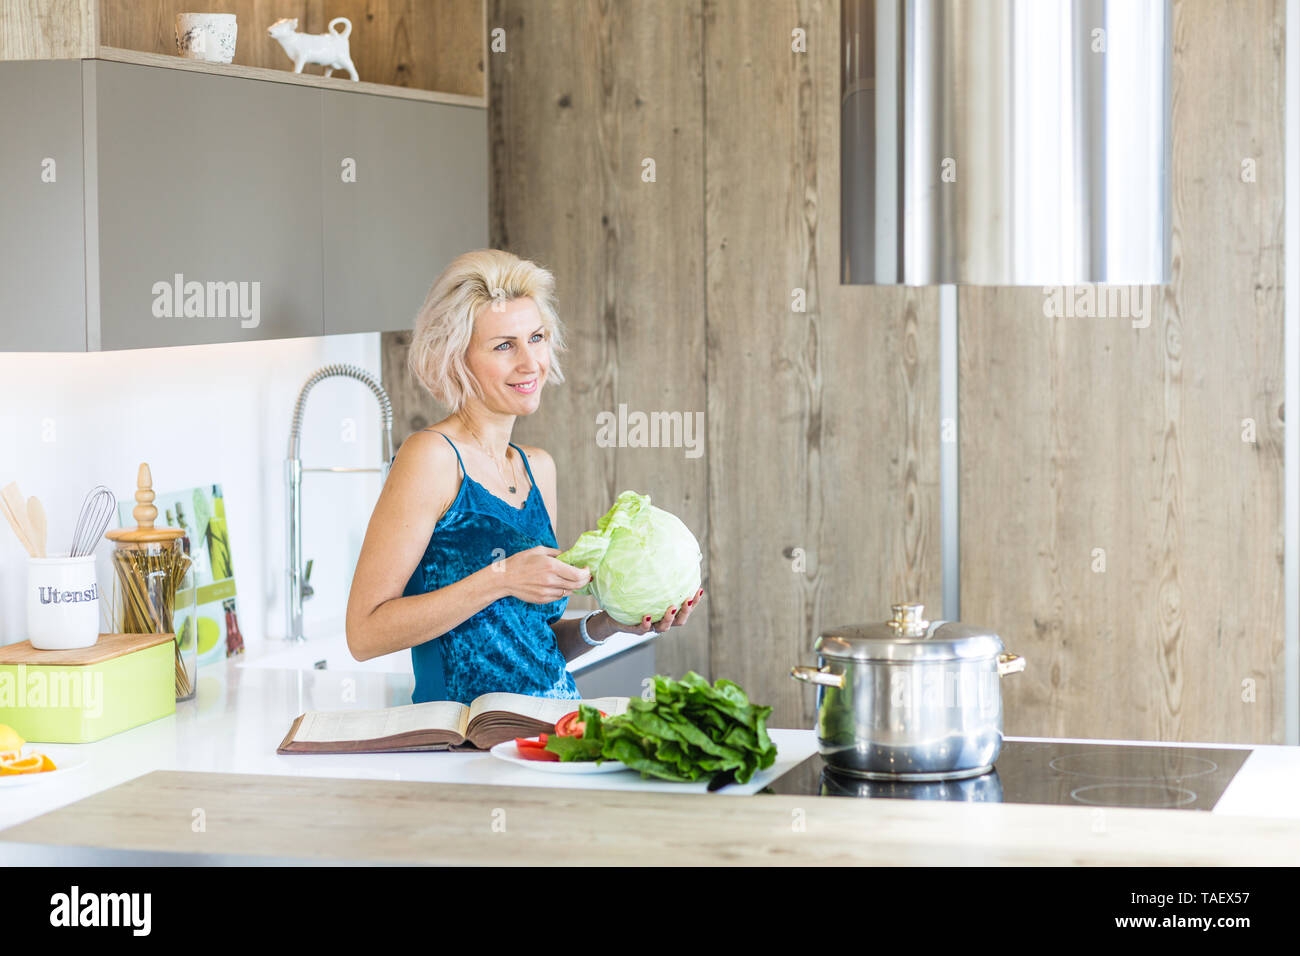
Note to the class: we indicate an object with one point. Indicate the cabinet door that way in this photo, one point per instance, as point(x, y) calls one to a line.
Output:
point(42, 243)
point(208, 186)
point(405, 187)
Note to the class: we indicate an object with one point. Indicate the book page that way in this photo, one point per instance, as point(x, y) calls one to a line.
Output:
point(545, 709)
point(344, 725)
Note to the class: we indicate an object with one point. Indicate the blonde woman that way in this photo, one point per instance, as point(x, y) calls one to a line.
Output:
point(459, 561)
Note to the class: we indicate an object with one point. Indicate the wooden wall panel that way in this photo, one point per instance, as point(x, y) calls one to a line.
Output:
point(584, 93)
point(413, 407)
point(46, 29)
point(1087, 433)
point(823, 425)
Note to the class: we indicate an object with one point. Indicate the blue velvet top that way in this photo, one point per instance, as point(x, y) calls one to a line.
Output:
point(509, 645)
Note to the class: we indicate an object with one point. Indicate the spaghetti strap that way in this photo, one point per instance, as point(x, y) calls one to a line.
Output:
point(453, 448)
point(525, 458)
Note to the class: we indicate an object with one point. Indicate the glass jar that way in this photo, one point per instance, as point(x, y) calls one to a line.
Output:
point(156, 594)
point(155, 584)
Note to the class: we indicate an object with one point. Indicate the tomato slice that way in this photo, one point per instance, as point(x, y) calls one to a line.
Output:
point(531, 749)
point(564, 727)
point(531, 754)
point(570, 726)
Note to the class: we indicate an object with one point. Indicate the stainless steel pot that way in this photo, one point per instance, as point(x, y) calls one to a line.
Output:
point(909, 699)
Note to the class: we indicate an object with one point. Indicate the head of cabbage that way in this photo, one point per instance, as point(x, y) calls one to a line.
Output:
point(643, 560)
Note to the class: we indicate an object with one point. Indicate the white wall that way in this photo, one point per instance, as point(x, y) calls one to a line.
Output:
point(199, 415)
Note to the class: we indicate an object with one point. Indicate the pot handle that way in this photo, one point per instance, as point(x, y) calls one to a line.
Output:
point(1010, 664)
point(812, 675)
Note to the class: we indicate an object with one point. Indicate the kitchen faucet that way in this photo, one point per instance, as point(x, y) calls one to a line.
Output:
point(293, 472)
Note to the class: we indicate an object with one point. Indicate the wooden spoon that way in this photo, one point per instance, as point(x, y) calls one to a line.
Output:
point(36, 518)
point(15, 509)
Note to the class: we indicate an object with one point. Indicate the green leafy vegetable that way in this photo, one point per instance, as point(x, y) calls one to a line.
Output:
point(689, 731)
point(643, 560)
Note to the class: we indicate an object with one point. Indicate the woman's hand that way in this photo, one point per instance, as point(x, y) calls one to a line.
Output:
point(537, 577)
point(673, 617)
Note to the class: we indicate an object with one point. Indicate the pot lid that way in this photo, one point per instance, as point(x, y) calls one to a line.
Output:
point(908, 637)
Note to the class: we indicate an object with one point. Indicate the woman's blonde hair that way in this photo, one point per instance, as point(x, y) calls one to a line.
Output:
point(445, 323)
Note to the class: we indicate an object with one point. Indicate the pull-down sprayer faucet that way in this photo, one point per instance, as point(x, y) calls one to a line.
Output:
point(293, 471)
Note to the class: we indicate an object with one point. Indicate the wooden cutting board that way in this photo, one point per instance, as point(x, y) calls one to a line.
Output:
point(106, 648)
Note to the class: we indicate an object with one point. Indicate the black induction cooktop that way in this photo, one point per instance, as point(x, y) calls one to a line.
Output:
point(1095, 775)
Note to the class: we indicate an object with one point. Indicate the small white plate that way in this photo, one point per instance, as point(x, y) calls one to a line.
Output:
point(63, 758)
point(508, 751)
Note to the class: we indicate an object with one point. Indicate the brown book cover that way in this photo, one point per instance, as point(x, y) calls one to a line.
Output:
point(433, 725)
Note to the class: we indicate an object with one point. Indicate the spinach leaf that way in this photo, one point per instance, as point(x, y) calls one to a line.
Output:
point(690, 730)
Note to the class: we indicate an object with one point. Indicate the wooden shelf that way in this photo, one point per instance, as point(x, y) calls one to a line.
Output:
point(430, 50)
point(286, 76)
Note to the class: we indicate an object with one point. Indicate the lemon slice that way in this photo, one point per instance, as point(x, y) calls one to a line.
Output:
point(10, 739)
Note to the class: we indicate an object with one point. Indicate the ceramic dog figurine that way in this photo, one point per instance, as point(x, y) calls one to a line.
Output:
point(329, 49)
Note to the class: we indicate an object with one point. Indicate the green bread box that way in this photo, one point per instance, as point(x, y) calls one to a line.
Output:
point(89, 693)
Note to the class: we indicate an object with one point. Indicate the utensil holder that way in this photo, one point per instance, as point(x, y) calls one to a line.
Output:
point(62, 602)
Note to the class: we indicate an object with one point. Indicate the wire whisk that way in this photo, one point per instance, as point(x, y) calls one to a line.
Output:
point(96, 511)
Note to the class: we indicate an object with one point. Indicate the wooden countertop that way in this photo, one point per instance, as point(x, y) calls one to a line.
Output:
point(263, 818)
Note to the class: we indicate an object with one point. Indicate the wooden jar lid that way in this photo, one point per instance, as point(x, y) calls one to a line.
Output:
point(144, 514)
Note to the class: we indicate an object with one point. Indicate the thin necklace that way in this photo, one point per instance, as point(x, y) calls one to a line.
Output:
point(473, 434)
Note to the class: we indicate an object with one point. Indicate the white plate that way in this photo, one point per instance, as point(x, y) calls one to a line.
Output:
point(508, 751)
point(63, 758)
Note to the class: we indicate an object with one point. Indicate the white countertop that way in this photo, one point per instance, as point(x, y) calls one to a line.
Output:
point(241, 714)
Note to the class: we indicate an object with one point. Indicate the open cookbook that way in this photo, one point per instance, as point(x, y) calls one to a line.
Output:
point(434, 725)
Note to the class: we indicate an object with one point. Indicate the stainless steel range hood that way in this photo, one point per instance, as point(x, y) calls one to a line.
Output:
point(1005, 142)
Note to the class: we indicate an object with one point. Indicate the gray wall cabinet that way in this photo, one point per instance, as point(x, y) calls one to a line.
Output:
point(42, 239)
point(192, 208)
point(215, 179)
point(385, 243)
